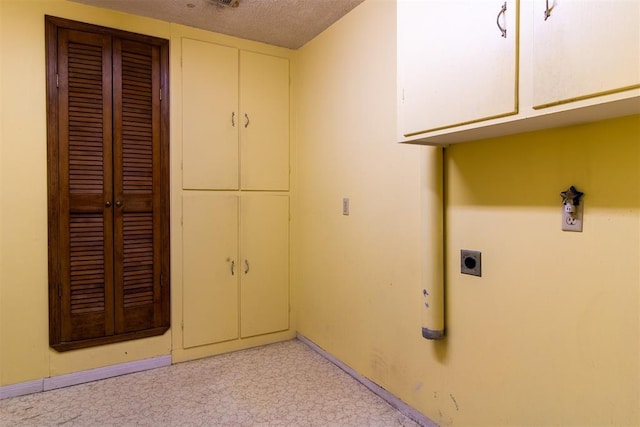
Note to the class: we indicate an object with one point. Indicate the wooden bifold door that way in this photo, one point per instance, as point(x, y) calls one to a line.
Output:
point(108, 170)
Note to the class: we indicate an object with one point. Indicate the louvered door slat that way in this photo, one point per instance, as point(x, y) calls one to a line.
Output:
point(87, 264)
point(138, 260)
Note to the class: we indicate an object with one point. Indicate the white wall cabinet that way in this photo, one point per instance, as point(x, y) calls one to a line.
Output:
point(584, 49)
point(235, 118)
point(236, 265)
point(456, 83)
point(457, 62)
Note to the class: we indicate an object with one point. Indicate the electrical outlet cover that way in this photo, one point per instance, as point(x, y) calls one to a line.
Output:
point(470, 262)
point(572, 221)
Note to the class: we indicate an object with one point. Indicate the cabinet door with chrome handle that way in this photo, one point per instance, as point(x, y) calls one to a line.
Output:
point(210, 119)
point(457, 63)
point(264, 247)
point(584, 50)
point(210, 272)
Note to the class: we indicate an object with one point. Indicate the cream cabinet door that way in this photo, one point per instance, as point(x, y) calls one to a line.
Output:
point(210, 119)
point(264, 263)
point(454, 64)
point(264, 132)
point(210, 267)
point(585, 48)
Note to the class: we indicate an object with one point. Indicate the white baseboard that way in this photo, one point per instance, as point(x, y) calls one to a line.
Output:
point(392, 400)
point(82, 377)
point(21, 389)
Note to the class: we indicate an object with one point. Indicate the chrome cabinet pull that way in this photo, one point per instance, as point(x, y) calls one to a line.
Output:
point(502, 12)
point(547, 10)
point(246, 124)
point(246, 266)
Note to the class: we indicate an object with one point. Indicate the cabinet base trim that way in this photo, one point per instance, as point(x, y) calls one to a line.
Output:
point(585, 97)
point(468, 122)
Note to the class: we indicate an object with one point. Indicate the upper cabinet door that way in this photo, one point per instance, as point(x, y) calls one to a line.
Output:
point(209, 116)
point(585, 48)
point(264, 121)
point(457, 62)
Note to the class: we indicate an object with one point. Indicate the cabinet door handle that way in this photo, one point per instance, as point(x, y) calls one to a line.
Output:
point(118, 203)
point(233, 268)
point(233, 119)
point(246, 266)
point(246, 124)
point(107, 204)
point(547, 10)
point(502, 12)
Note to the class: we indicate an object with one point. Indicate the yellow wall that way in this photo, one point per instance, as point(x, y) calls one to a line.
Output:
point(24, 349)
point(549, 334)
point(1, 187)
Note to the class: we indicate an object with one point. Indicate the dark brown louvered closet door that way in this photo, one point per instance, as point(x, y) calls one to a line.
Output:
point(85, 126)
point(108, 185)
point(137, 132)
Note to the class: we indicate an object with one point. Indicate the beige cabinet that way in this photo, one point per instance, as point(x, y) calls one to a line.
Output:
point(584, 49)
point(235, 118)
point(236, 265)
point(456, 62)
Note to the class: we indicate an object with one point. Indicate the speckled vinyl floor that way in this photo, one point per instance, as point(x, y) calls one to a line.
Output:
point(284, 384)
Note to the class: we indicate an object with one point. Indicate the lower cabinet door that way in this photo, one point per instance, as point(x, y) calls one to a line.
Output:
point(210, 267)
point(264, 263)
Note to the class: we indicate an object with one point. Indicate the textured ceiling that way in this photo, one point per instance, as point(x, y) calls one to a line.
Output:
point(286, 23)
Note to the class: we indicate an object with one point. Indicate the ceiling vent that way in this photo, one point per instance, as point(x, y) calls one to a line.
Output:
point(226, 3)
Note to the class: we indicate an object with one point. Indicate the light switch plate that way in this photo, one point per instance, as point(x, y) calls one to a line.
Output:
point(572, 222)
point(345, 206)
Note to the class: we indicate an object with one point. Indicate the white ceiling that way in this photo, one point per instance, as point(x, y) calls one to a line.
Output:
point(286, 23)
